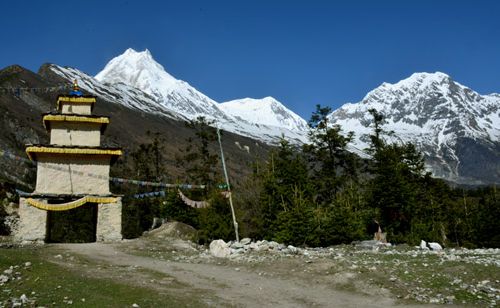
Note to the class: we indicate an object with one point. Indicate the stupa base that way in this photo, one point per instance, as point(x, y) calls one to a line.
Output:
point(35, 225)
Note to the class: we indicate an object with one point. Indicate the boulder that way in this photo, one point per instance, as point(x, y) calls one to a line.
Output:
point(273, 245)
point(245, 241)
point(423, 245)
point(253, 246)
point(263, 247)
point(219, 249)
point(237, 245)
point(292, 250)
point(435, 246)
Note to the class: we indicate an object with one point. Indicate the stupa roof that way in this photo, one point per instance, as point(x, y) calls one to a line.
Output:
point(49, 117)
point(33, 150)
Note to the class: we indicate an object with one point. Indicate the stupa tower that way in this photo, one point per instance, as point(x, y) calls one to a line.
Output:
point(72, 171)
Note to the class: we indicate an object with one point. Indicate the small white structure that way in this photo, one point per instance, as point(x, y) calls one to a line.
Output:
point(72, 171)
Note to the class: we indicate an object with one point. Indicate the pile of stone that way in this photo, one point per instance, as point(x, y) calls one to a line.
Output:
point(249, 250)
point(246, 247)
point(221, 249)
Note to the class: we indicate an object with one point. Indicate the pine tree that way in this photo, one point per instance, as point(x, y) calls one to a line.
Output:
point(199, 158)
point(285, 177)
point(148, 164)
point(148, 160)
point(397, 170)
point(331, 163)
point(295, 224)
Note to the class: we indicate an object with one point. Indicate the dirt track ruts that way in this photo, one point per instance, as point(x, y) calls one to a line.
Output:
point(236, 287)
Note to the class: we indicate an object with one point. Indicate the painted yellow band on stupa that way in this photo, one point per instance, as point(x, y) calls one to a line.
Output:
point(69, 205)
point(56, 150)
point(77, 99)
point(72, 118)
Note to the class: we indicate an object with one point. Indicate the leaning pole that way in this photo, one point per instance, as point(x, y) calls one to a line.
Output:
point(235, 223)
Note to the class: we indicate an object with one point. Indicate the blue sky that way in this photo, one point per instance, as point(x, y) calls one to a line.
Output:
point(301, 52)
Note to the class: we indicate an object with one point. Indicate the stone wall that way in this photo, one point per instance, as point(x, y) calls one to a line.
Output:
point(109, 221)
point(83, 109)
point(32, 222)
point(76, 133)
point(76, 174)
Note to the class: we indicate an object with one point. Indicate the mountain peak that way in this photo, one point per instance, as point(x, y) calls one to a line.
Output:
point(421, 80)
point(133, 52)
point(130, 51)
point(141, 71)
point(436, 74)
point(254, 101)
point(438, 77)
point(137, 69)
point(265, 111)
point(270, 100)
point(131, 57)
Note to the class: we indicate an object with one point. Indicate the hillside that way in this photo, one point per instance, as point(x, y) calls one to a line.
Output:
point(21, 124)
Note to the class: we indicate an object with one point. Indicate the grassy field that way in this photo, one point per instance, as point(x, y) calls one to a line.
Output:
point(47, 284)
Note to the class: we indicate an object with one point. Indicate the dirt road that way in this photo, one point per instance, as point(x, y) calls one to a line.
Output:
point(235, 286)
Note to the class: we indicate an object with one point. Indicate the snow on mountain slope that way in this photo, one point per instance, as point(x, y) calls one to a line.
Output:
point(436, 113)
point(457, 129)
point(118, 93)
point(164, 95)
point(265, 111)
point(141, 71)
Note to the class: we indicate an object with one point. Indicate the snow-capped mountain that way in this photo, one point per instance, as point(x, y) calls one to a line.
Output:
point(141, 71)
point(119, 93)
point(265, 111)
point(457, 129)
point(135, 80)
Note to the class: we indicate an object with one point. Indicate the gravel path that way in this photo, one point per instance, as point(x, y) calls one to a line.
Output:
point(236, 286)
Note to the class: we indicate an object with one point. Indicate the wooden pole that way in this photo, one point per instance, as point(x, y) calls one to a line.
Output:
point(235, 223)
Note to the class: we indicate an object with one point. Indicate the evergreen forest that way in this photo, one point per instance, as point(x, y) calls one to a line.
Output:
point(319, 194)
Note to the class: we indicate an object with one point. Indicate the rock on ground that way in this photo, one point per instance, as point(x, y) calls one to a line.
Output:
point(435, 246)
point(219, 249)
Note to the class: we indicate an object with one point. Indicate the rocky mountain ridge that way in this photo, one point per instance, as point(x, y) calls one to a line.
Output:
point(457, 129)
